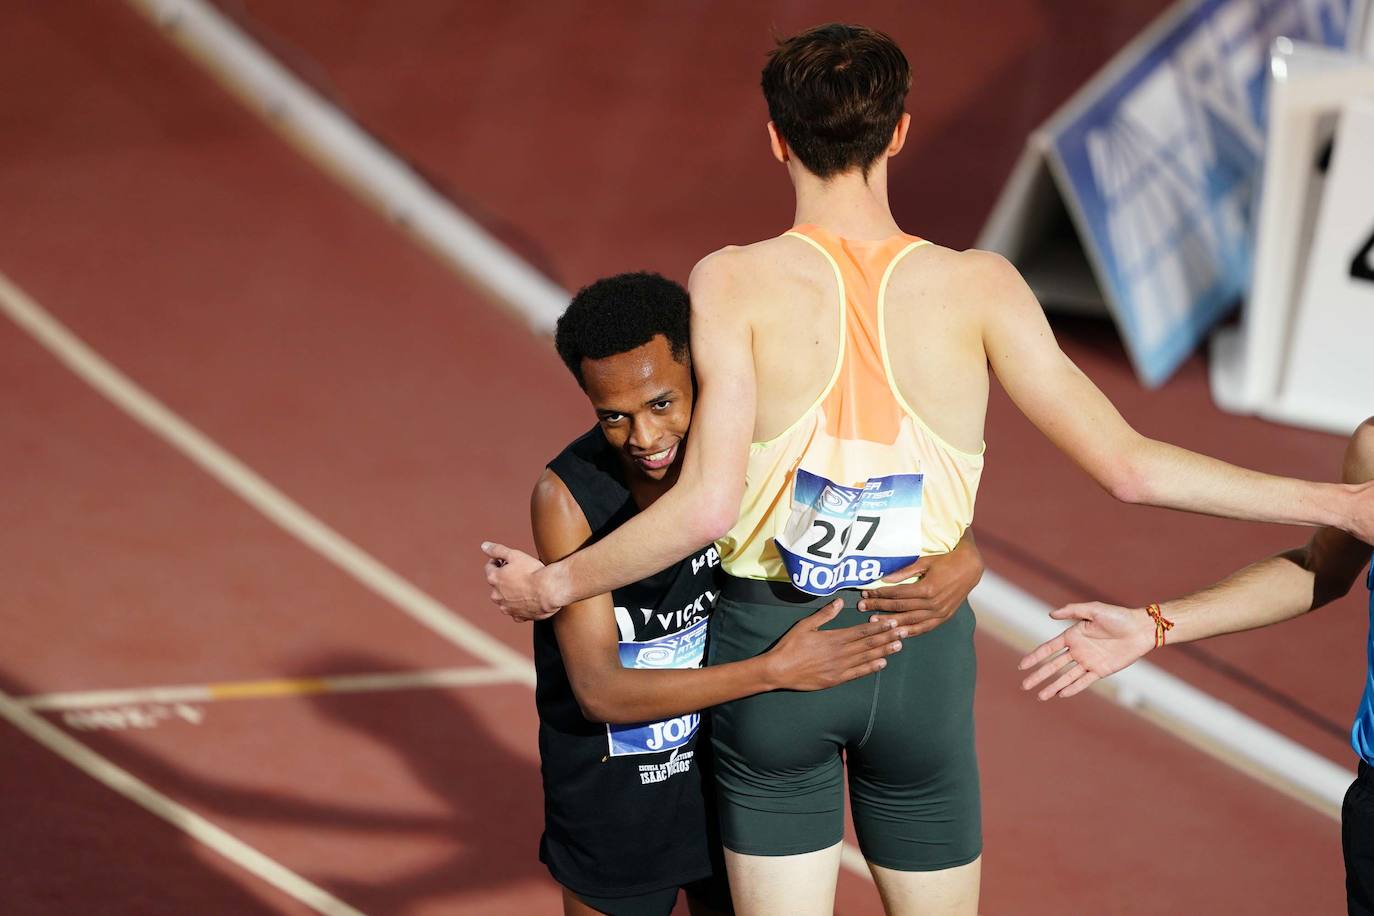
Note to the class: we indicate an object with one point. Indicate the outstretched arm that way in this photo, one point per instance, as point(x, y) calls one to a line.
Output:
point(1107, 638)
point(806, 658)
point(1070, 410)
point(703, 503)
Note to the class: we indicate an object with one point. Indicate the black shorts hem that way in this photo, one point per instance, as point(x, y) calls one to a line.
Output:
point(789, 849)
point(894, 865)
point(635, 890)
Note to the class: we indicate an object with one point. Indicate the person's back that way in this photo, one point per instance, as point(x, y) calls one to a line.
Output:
point(867, 365)
point(866, 453)
point(847, 482)
point(931, 328)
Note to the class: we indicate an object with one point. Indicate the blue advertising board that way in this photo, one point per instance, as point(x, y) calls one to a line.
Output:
point(1159, 162)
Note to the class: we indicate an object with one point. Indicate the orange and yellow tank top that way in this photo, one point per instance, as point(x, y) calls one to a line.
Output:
point(858, 486)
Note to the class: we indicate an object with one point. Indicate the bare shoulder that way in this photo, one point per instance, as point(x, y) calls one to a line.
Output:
point(734, 261)
point(974, 274)
point(1359, 454)
point(554, 513)
point(738, 276)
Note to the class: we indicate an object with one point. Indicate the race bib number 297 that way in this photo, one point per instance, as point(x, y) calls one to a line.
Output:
point(845, 537)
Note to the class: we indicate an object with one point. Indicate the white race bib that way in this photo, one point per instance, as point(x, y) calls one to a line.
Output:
point(846, 537)
point(684, 649)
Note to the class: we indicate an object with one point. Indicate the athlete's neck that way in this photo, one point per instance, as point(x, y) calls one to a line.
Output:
point(845, 205)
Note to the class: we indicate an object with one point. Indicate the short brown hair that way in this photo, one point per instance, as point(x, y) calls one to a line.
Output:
point(835, 93)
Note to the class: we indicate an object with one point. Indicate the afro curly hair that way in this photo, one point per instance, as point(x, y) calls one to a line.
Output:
point(617, 314)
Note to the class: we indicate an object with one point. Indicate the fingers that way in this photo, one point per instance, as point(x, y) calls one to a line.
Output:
point(863, 630)
point(910, 618)
point(901, 599)
point(925, 626)
point(1074, 612)
point(498, 552)
point(1042, 652)
point(1074, 673)
point(1050, 667)
point(825, 614)
point(863, 670)
point(1080, 685)
point(884, 640)
point(919, 568)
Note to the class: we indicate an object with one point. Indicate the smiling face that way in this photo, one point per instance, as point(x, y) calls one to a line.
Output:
point(643, 400)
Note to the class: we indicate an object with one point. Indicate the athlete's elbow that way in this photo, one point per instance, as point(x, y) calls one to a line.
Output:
point(713, 519)
point(596, 705)
point(1123, 478)
point(716, 527)
point(609, 710)
point(1127, 488)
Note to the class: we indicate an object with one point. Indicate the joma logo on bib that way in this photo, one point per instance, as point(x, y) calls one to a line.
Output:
point(845, 537)
point(672, 732)
point(822, 580)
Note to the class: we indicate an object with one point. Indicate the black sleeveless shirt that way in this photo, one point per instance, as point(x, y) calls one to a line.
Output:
point(624, 809)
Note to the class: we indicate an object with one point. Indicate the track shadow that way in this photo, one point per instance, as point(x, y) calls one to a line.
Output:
point(71, 845)
point(492, 802)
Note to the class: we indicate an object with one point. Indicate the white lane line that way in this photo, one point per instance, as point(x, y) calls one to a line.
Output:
point(253, 488)
point(330, 138)
point(139, 792)
point(273, 687)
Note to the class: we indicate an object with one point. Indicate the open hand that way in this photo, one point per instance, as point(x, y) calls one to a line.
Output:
point(511, 575)
point(1105, 639)
point(808, 658)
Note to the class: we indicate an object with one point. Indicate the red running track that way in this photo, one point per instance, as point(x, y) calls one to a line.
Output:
point(185, 243)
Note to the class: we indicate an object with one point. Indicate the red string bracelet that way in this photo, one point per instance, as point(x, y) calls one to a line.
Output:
point(1162, 623)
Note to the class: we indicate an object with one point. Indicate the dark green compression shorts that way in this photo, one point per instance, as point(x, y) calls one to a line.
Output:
point(906, 732)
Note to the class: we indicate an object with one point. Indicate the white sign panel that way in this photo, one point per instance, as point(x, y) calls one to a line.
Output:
point(1157, 163)
point(1329, 378)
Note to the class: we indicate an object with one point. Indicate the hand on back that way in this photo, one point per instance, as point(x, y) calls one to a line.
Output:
point(921, 606)
point(809, 658)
